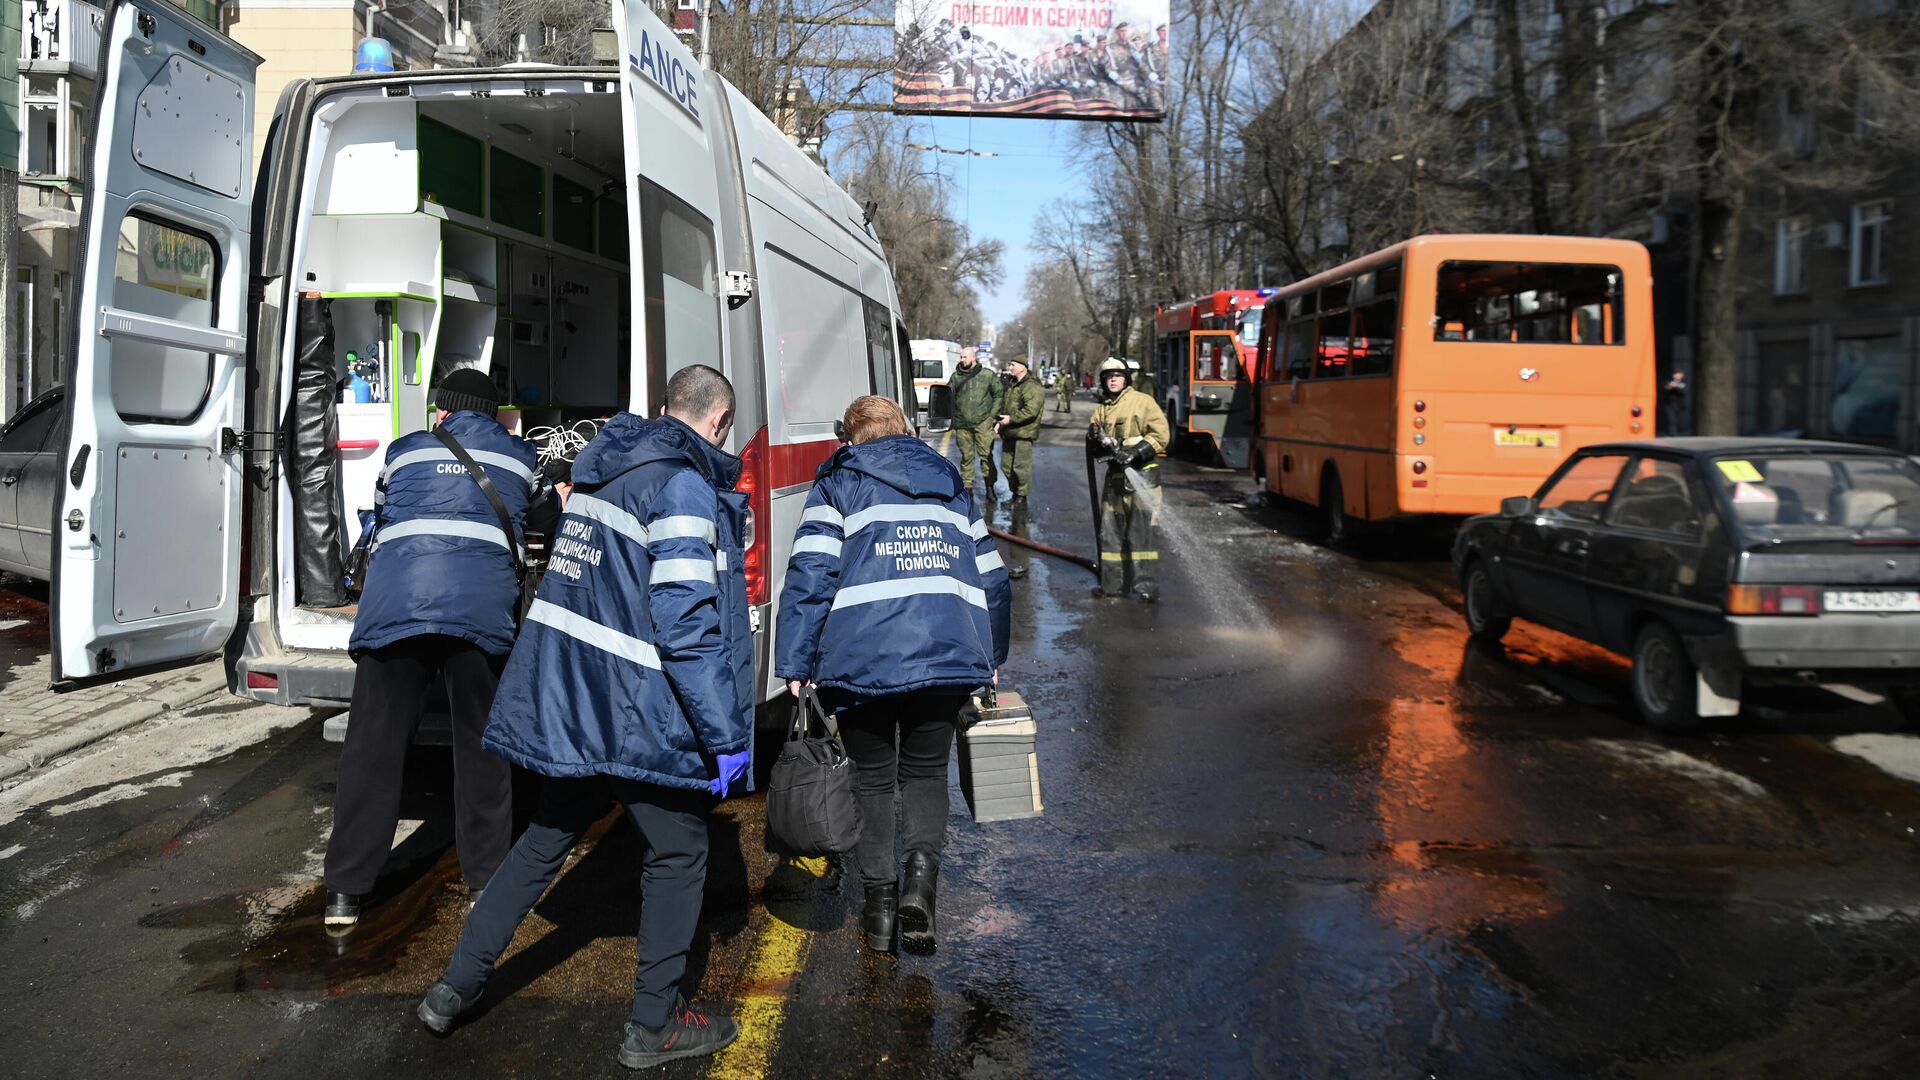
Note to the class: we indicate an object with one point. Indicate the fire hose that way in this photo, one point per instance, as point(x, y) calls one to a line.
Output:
point(1044, 549)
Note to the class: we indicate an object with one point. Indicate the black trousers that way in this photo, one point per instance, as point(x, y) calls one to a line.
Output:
point(673, 831)
point(1129, 558)
point(900, 745)
point(390, 687)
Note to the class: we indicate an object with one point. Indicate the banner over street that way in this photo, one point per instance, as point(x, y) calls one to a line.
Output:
point(1073, 59)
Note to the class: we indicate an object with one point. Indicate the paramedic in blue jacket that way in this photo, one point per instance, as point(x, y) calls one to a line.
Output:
point(439, 602)
point(632, 681)
point(895, 607)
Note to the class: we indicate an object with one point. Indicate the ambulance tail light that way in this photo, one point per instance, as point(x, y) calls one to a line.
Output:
point(756, 465)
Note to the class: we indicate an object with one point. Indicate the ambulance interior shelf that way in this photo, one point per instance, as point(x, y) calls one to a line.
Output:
point(464, 233)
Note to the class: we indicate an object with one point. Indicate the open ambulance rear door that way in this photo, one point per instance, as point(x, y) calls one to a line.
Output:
point(147, 530)
point(667, 117)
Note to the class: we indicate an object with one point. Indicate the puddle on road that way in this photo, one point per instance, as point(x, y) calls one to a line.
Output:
point(273, 939)
point(23, 626)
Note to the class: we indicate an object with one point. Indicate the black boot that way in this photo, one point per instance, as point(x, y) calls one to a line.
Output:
point(877, 921)
point(916, 903)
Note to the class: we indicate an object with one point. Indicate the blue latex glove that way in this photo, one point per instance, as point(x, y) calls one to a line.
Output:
point(732, 767)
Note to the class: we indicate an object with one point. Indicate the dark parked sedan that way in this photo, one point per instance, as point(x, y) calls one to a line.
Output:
point(29, 480)
point(1718, 565)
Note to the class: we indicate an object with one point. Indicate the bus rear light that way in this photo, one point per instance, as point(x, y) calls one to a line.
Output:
point(1419, 439)
point(1773, 599)
point(1419, 406)
point(1419, 467)
point(1636, 410)
point(1419, 421)
point(1635, 426)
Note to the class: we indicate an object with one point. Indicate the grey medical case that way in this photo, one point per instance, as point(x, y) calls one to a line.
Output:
point(999, 767)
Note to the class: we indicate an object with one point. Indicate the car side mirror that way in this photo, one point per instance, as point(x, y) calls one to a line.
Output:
point(939, 407)
point(1516, 506)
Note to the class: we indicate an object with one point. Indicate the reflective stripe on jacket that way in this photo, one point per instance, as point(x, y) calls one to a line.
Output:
point(439, 562)
point(636, 659)
point(894, 585)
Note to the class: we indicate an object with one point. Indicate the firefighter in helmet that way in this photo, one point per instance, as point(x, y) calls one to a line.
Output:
point(1130, 432)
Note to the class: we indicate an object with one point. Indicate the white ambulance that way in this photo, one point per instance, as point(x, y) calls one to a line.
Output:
point(577, 233)
point(934, 362)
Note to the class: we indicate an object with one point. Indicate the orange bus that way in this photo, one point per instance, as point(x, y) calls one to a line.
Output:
point(1448, 372)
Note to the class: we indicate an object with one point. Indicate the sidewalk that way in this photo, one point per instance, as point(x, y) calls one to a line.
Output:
point(37, 725)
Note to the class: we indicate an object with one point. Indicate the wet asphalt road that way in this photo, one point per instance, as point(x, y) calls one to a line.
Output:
point(1295, 826)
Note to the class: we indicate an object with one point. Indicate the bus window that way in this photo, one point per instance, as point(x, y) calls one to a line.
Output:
point(1530, 303)
point(1333, 348)
point(1373, 329)
point(1386, 280)
point(1300, 339)
point(1335, 295)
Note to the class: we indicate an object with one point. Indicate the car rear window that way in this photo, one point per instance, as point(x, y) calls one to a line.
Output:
point(1820, 496)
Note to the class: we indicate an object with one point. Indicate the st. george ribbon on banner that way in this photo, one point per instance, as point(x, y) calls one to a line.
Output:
point(1073, 59)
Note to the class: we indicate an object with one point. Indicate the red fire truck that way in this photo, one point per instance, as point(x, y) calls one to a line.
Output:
point(1203, 353)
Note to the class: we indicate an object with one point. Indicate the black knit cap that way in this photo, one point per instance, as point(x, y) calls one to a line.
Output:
point(467, 389)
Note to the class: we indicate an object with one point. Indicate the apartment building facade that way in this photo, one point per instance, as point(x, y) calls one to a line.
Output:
point(1830, 315)
point(57, 59)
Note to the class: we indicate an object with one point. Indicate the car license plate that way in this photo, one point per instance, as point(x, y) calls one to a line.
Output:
point(1526, 437)
point(1874, 600)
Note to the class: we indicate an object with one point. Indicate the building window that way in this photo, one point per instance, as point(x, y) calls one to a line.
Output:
point(1790, 255)
point(1797, 133)
point(1868, 374)
point(43, 138)
point(1782, 405)
point(1871, 220)
point(22, 335)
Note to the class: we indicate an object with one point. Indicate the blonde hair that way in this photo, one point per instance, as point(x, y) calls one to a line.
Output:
point(872, 417)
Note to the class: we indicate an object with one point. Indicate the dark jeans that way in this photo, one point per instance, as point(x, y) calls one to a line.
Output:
point(673, 871)
point(923, 725)
point(390, 686)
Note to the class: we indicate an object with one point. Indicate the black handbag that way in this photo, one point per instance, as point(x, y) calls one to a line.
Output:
point(811, 809)
point(528, 583)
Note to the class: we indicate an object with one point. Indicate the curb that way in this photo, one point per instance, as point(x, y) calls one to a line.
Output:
point(152, 700)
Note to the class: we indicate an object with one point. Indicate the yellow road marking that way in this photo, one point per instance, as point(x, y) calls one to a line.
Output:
point(779, 952)
point(946, 440)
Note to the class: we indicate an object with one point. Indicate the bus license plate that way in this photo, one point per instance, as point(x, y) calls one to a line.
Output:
point(1526, 437)
point(1876, 600)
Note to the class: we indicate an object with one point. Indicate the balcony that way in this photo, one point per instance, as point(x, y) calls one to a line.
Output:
point(60, 36)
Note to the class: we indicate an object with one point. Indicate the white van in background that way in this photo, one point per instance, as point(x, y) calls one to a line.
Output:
point(577, 233)
point(934, 361)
